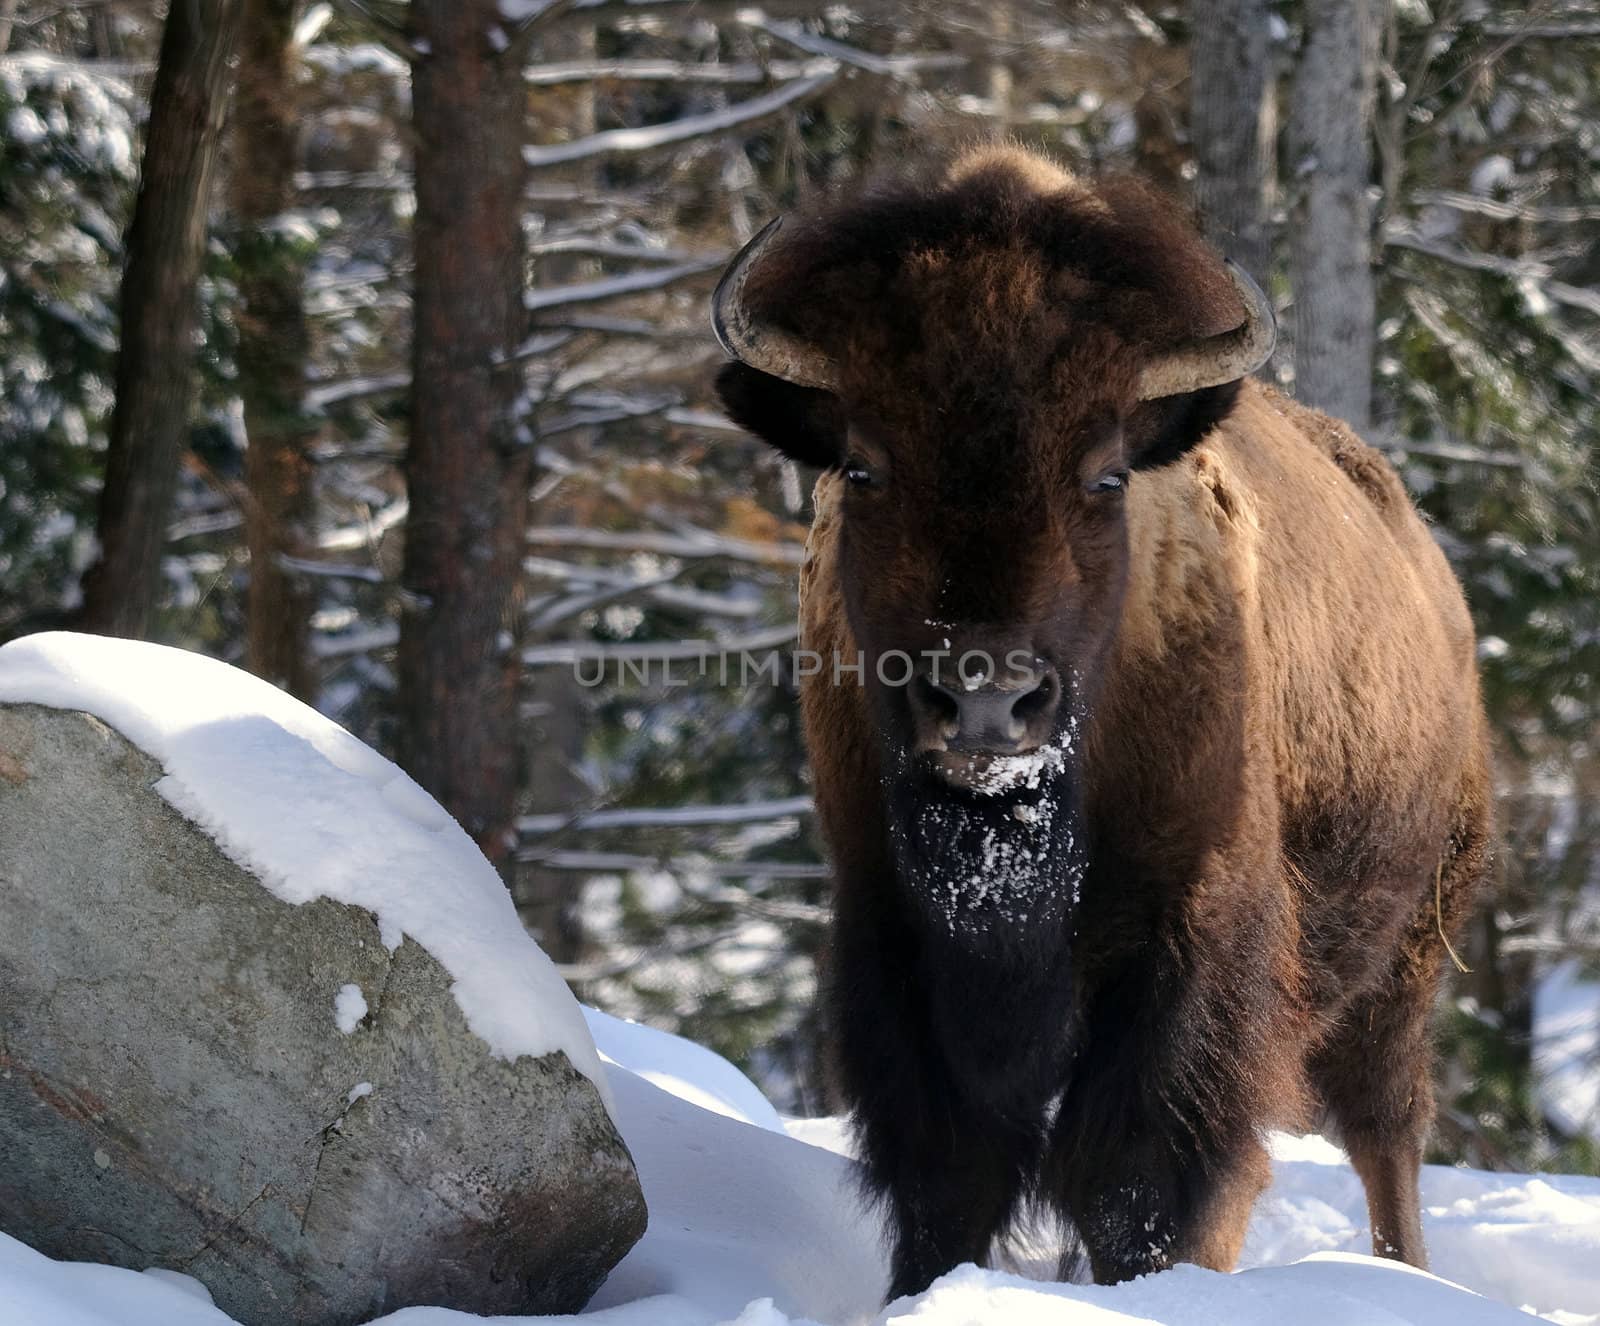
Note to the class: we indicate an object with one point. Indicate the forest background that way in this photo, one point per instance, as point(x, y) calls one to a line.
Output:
point(365, 344)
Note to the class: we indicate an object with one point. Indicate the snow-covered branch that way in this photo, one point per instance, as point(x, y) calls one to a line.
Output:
point(627, 861)
point(348, 538)
point(670, 71)
point(614, 586)
point(893, 66)
point(1532, 29)
point(330, 570)
point(610, 142)
point(1502, 210)
point(1456, 451)
point(754, 812)
point(1515, 269)
point(708, 420)
point(606, 248)
point(323, 395)
point(209, 522)
point(700, 544)
point(589, 409)
point(610, 287)
point(383, 636)
point(658, 651)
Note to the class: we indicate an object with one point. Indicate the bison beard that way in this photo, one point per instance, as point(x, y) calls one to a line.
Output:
point(987, 867)
point(993, 880)
point(989, 884)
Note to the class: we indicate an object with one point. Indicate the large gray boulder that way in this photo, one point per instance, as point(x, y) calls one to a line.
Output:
point(176, 1091)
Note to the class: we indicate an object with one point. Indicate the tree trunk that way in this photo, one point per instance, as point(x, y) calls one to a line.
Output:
point(273, 343)
point(1232, 126)
point(155, 360)
point(469, 463)
point(1330, 131)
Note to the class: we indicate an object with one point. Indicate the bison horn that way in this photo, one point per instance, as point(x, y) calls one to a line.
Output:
point(1217, 359)
point(760, 345)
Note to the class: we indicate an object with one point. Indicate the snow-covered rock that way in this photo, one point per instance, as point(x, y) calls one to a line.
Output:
point(268, 1018)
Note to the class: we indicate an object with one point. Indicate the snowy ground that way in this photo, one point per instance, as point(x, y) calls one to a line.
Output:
point(753, 1220)
point(1566, 1048)
point(755, 1224)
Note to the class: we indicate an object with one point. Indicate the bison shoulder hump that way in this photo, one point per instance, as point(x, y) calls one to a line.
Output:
point(1363, 465)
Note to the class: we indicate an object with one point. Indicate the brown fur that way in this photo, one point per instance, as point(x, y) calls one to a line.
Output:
point(1283, 741)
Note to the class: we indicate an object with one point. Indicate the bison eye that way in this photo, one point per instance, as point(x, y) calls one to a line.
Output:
point(1114, 482)
point(858, 474)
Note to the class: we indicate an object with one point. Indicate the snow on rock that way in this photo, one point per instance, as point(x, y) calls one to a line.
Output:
point(314, 813)
point(1566, 1048)
point(203, 1112)
point(349, 1007)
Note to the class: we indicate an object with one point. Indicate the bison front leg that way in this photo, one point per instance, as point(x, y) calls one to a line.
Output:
point(948, 1170)
point(1144, 1192)
point(1155, 1156)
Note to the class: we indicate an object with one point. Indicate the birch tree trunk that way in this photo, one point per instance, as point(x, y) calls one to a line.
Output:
point(273, 344)
point(1330, 133)
point(155, 359)
point(469, 463)
point(1232, 124)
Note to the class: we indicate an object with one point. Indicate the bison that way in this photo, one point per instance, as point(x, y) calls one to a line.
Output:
point(1168, 851)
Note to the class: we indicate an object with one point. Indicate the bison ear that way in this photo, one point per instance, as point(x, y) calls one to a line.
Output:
point(803, 423)
point(1161, 430)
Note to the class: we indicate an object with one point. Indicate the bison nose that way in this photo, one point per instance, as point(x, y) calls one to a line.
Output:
point(1003, 717)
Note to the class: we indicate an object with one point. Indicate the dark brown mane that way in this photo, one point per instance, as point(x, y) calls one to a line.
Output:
point(1120, 255)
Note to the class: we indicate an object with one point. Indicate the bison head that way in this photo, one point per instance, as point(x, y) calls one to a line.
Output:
point(989, 361)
